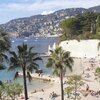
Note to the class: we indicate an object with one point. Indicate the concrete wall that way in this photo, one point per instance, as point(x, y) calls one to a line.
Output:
point(84, 48)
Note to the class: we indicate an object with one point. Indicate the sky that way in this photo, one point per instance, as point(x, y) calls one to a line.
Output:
point(12, 9)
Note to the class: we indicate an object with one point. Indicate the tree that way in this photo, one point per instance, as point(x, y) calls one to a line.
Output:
point(26, 60)
point(4, 47)
point(89, 22)
point(4, 41)
point(59, 60)
point(10, 90)
point(69, 26)
point(74, 82)
point(81, 26)
point(2, 92)
point(97, 74)
point(13, 90)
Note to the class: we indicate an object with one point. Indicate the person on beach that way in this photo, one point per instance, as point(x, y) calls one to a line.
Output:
point(22, 97)
point(50, 96)
point(83, 72)
point(42, 90)
point(87, 87)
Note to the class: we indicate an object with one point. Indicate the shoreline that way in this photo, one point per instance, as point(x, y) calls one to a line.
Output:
point(78, 67)
point(44, 77)
point(47, 36)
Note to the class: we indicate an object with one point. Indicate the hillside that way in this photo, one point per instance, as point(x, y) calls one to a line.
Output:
point(42, 25)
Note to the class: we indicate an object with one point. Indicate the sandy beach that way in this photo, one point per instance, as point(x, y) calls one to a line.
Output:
point(88, 77)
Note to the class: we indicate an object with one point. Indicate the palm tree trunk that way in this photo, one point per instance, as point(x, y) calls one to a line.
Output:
point(61, 80)
point(25, 85)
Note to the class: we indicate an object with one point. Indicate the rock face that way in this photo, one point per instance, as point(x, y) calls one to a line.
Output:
point(42, 25)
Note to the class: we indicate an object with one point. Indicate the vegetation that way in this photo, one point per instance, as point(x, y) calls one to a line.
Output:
point(59, 60)
point(4, 41)
point(68, 90)
point(97, 74)
point(97, 70)
point(69, 26)
point(98, 45)
point(13, 90)
point(26, 60)
point(74, 82)
point(4, 47)
point(98, 25)
point(10, 91)
point(2, 92)
point(82, 26)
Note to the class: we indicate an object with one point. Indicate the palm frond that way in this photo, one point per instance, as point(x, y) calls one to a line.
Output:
point(14, 60)
point(22, 48)
point(68, 65)
point(30, 56)
point(51, 51)
point(55, 71)
point(58, 50)
point(32, 66)
point(14, 63)
point(2, 67)
point(13, 67)
point(66, 54)
point(3, 57)
point(33, 54)
point(35, 64)
point(25, 46)
point(29, 76)
point(30, 49)
point(13, 54)
point(71, 60)
point(16, 75)
point(1, 84)
point(49, 63)
point(37, 59)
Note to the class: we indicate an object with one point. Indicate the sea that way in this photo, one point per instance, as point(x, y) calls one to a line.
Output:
point(41, 45)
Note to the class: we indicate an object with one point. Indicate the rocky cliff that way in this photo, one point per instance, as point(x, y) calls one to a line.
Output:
point(42, 25)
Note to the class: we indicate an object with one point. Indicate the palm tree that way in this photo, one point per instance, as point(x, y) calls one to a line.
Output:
point(59, 60)
point(26, 60)
point(4, 47)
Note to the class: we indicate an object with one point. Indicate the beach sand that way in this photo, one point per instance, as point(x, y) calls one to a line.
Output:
point(88, 77)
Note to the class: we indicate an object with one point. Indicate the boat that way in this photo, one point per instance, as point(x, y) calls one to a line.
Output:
point(25, 40)
point(36, 39)
point(13, 41)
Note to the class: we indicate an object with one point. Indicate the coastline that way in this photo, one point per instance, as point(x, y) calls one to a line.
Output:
point(44, 77)
point(77, 68)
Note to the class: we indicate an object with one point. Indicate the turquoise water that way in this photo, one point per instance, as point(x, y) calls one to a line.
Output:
point(40, 46)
